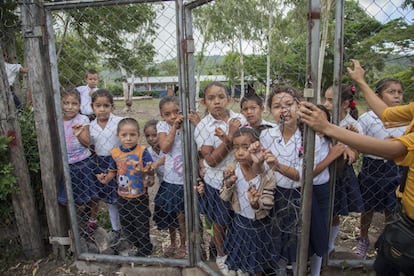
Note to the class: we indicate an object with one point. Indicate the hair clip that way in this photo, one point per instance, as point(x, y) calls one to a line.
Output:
point(353, 89)
point(352, 104)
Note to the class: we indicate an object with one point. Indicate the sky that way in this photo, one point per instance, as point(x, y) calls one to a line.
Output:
point(165, 43)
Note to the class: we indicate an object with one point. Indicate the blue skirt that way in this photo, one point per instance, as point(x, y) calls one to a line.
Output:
point(163, 219)
point(348, 196)
point(170, 197)
point(379, 180)
point(83, 183)
point(286, 217)
point(108, 193)
point(217, 210)
point(251, 246)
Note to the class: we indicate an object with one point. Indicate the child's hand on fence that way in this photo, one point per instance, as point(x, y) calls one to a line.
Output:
point(229, 176)
point(78, 128)
point(179, 120)
point(149, 168)
point(193, 117)
point(350, 155)
point(102, 178)
point(257, 152)
point(221, 134)
point(137, 167)
point(253, 196)
point(234, 124)
point(149, 180)
point(336, 150)
point(200, 187)
point(271, 160)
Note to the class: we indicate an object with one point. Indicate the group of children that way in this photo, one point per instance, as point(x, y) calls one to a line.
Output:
point(251, 185)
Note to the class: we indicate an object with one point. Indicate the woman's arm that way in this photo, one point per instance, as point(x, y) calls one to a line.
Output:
point(374, 102)
point(389, 149)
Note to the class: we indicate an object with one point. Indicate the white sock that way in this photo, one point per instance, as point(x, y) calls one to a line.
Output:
point(294, 269)
point(114, 217)
point(332, 238)
point(315, 265)
point(281, 271)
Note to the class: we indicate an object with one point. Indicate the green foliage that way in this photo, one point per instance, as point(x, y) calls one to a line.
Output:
point(31, 152)
point(115, 89)
point(7, 179)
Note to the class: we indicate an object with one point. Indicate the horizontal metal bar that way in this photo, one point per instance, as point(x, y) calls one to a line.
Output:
point(130, 259)
point(350, 263)
point(93, 3)
point(196, 3)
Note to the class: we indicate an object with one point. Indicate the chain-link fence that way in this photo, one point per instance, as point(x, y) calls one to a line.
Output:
point(239, 65)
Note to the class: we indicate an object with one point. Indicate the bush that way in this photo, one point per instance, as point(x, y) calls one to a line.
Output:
point(115, 89)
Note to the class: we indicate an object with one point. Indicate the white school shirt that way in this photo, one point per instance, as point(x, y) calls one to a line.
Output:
point(374, 127)
point(204, 136)
point(12, 70)
point(86, 99)
point(321, 154)
point(242, 187)
point(173, 166)
point(105, 139)
point(75, 150)
point(286, 154)
point(349, 120)
point(155, 157)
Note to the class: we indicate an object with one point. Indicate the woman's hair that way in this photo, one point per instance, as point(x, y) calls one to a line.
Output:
point(127, 121)
point(328, 115)
point(348, 94)
point(214, 83)
point(151, 123)
point(168, 99)
point(253, 97)
point(103, 93)
point(70, 92)
point(283, 89)
point(385, 83)
point(246, 130)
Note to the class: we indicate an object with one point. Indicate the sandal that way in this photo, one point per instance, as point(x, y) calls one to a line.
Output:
point(181, 252)
point(170, 251)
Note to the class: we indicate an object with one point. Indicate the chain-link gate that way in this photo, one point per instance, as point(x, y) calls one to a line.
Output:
point(131, 58)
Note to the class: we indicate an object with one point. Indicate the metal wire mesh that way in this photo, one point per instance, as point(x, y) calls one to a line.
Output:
point(130, 49)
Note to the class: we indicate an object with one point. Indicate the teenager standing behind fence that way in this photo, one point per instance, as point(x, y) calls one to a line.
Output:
point(76, 128)
point(171, 199)
point(103, 137)
point(91, 80)
point(249, 184)
point(219, 122)
point(286, 144)
point(347, 196)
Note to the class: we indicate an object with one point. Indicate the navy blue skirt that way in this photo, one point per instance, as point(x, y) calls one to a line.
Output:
point(163, 219)
point(348, 196)
point(379, 180)
point(286, 219)
point(170, 197)
point(108, 193)
point(217, 210)
point(83, 183)
point(251, 246)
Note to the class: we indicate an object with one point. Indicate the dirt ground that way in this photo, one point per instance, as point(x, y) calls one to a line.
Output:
point(148, 109)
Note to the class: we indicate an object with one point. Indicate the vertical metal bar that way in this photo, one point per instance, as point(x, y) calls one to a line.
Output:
point(337, 81)
point(58, 109)
point(187, 139)
point(192, 104)
point(312, 54)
